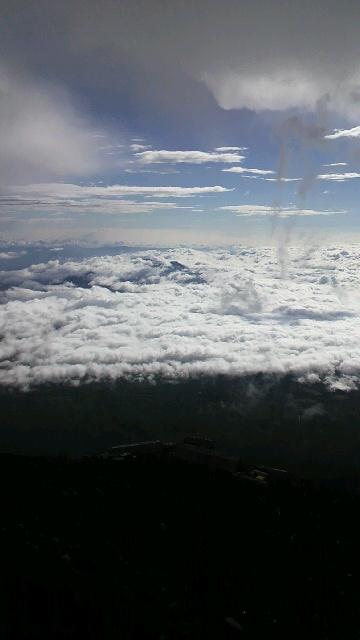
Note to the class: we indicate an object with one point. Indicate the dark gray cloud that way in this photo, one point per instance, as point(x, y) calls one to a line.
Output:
point(258, 54)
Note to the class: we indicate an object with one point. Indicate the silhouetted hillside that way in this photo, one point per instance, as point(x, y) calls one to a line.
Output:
point(265, 419)
point(151, 547)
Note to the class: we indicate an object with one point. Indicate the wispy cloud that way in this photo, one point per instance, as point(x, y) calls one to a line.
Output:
point(136, 147)
point(107, 199)
point(64, 190)
point(188, 157)
point(244, 170)
point(222, 149)
point(283, 179)
point(250, 210)
point(344, 133)
point(336, 164)
point(338, 177)
point(11, 255)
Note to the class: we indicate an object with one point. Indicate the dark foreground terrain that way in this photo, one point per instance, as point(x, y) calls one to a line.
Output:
point(305, 427)
point(154, 547)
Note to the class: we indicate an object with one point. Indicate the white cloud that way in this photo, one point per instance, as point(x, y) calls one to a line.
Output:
point(265, 210)
point(107, 199)
point(244, 170)
point(183, 312)
point(283, 179)
point(64, 190)
point(338, 177)
point(273, 91)
point(160, 172)
point(273, 85)
point(11, 255)
point(222, 149)
point(344, 133)
point(139, 147)
point(336, 164)
point(190, 157)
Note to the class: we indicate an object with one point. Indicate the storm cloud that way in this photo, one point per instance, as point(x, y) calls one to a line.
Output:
point(268, 55)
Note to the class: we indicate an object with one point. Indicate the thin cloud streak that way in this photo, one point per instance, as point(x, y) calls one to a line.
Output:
point(188, 157)
point(249, 210)
point(244, 170)
point(338, 177)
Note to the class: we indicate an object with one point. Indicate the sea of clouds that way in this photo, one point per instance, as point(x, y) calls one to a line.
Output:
point(183, 312)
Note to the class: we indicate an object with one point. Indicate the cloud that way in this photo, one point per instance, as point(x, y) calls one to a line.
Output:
point(272, 91)
point(11, 255)
point(106, 199)
point(338, 177)
point(266, 210)
point(160, 172)
point(190, 157)
point(344, 133)
point(63, 190)
point(248, 55)
point(336, 164)
point(259, 60)
point(183, 312)
point(283, 179)
point(244, 170)
point(222, 149)
point(139, 147)
point(42, 132)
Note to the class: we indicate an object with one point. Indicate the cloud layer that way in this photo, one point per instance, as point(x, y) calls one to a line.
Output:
point(183, 312)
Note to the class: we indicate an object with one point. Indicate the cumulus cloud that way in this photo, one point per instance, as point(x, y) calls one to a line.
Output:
point(190, 157)
point(274, 91)
point(255, 210)
point(182, 312)
point(271, 86)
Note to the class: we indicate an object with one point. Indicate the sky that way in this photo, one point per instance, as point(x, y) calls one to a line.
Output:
point(179, 190)
point(168, 123)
